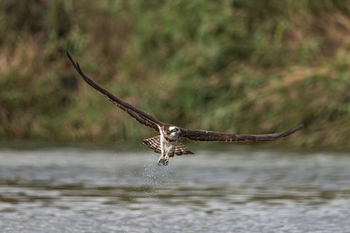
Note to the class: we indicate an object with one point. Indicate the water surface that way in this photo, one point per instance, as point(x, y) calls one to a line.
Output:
point(242, 189)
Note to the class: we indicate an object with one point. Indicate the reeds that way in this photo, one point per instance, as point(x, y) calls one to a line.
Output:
point(235, 66)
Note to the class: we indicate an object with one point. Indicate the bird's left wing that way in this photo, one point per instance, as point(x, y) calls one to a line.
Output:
point(141, 116)
point(202, 135)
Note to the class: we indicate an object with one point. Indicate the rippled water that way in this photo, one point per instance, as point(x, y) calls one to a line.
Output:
point(241, 190)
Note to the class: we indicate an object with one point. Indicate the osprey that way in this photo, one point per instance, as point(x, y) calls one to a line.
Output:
point(167, 143)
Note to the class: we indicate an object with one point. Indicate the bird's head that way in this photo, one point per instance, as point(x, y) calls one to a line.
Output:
point(174, 132)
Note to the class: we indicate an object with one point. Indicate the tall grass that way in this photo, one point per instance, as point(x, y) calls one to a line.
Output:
point(236, 66)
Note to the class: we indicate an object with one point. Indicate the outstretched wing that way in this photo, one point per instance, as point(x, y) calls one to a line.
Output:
point(202, 135)
point(141, 116)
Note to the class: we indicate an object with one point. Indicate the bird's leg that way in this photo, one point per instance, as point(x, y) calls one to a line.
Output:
point(164, 158)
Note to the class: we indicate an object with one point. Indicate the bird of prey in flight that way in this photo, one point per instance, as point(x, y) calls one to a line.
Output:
point(167, 142)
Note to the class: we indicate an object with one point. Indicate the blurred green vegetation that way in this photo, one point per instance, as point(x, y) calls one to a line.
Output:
point(238, 66)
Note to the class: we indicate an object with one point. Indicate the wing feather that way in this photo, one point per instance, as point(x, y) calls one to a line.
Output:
point(180, 149)
point(202, 135)
point(141, 116)
point(153, 143)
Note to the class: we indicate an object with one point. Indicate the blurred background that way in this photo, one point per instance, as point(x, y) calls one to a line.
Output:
point(237, 66)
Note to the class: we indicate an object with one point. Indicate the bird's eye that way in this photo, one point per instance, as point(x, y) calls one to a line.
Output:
point(175, 130)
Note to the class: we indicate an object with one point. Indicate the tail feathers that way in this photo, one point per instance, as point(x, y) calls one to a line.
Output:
point(154, 144)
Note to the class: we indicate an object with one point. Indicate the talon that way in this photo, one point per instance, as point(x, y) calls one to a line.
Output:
point(163, 161)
